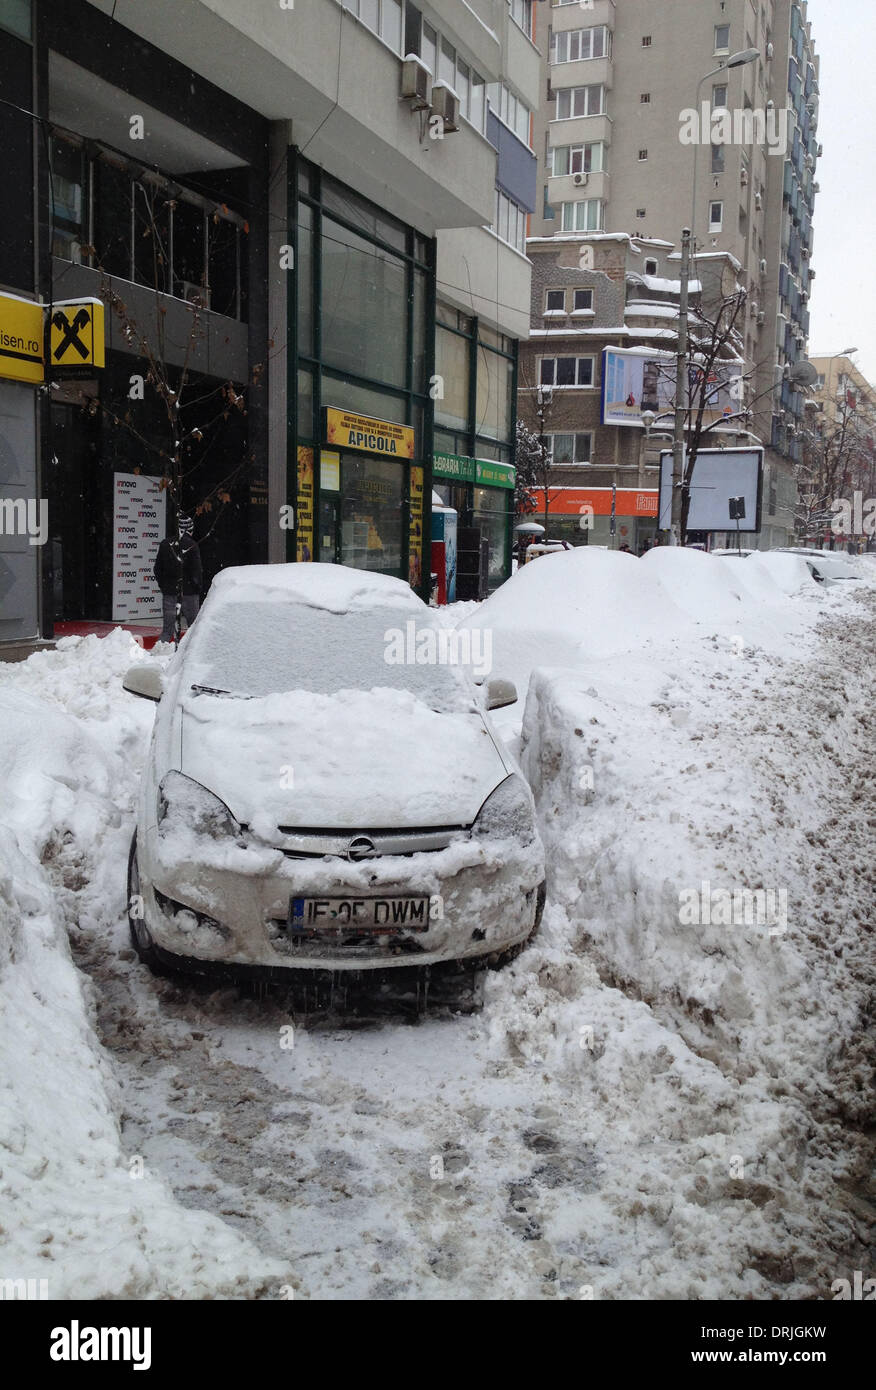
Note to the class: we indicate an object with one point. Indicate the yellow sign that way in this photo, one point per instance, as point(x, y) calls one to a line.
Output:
point(349, 431)
point(77, 334)
point(329, 471)
point(21, 339)
point(415, 533)
point(304, 537)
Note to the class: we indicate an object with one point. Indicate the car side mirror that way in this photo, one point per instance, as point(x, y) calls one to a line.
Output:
point(500, 692)
point(144, 680)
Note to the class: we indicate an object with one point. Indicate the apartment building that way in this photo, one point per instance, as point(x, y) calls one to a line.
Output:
point(642, 129)
point(313, 215)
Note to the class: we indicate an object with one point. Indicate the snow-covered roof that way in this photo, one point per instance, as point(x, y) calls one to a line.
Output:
point(335, 588)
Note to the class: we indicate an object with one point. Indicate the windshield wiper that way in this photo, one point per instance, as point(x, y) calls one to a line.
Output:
point(209, 690)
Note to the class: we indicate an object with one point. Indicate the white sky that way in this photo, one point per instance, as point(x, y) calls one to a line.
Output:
point(842, 301)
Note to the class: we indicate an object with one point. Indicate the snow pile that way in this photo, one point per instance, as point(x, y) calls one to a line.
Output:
point(77, 1211)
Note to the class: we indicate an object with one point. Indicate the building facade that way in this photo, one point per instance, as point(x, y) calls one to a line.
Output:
point(306, 231)
point(642, 130)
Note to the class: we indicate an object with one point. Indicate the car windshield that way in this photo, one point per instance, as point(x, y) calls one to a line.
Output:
point(255, 648)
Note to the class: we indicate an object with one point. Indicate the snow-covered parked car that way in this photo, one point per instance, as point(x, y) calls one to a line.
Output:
point(324, 787)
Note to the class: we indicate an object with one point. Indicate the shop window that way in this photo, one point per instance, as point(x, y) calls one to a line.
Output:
point(452, 366)
point(69, 214)
point(491, 508)
point(372, 508)
point(364, 306)
point(346, 395)
point(494, 394)
point(305, 404)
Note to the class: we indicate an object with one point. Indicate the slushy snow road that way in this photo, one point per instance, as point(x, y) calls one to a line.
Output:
point(638, 1107)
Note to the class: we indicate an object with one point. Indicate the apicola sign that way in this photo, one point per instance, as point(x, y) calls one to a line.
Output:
point(348, 431)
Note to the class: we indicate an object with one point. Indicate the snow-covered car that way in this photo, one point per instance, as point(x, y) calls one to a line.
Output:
point(827, 567)
point(324, 787)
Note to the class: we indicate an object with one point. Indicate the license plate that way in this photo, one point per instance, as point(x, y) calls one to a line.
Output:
point(381, 916)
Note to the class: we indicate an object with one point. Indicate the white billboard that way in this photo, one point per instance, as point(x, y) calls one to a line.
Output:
point(718, 475)
point(139, 508)
point(638, 379)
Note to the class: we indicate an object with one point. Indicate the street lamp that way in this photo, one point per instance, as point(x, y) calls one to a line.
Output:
point(736, 60)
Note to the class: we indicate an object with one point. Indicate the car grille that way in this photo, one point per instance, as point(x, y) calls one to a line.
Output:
point(317, 844)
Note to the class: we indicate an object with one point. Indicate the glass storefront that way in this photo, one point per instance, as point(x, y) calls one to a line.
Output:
point(372, 509)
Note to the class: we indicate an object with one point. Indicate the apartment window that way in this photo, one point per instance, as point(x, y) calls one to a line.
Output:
point(383, 17)
point(447, 63)
point(555, 301)
point(719, 97)
point(645, 98)
point(570, 448)
point(646, 40)
point(583, 300)
point(578, 159)
point(717, 158)
point(577, 44)
point(566, 371)
point(716, 216)
point(463, 86)
point(521, 13)
point(510, 109)
point(579, 101)
point(643, 155)
point(547, 211)
point(641, 213)
point(429, 48)
point(582, 216)
point(509, 222)
point(651, 267)
point(722, 38)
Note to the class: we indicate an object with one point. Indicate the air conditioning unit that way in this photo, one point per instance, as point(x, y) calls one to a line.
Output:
point(758, 201)
point(580, 180)
point(804, 253)
point(816, 187)
point(416, 83)
point(820, 151)
point(770, 50)
point(445, 103)
point(763, 267)
point(761, 319)
point(743, 177)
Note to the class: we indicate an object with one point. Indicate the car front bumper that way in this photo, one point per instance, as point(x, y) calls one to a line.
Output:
point(230, 906)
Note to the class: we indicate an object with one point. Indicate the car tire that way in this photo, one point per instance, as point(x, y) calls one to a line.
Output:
point(141, 940)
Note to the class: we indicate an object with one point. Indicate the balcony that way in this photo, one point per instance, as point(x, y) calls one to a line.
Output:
point(584, 72)
point(580, 130)
point(562, 188)
point(563, 17)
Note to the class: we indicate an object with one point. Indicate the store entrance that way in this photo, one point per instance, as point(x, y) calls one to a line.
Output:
point(373, 509)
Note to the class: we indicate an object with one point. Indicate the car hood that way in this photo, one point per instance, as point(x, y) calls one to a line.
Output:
point(357, 760)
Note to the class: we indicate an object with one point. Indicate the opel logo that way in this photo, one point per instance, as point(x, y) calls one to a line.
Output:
point(361, 848)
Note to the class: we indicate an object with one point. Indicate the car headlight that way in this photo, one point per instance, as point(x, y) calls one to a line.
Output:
point(184, 803)
point(507, 812)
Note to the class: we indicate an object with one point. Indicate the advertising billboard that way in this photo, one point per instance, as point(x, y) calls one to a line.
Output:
point(638, 379)
point(138, 529)
point(718, 475)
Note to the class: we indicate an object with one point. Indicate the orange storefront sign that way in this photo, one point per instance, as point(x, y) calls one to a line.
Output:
point(568, 501)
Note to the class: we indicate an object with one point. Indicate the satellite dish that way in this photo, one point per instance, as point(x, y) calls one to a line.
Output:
point(803, 374)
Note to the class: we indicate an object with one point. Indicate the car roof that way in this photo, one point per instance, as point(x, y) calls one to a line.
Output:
point(333, 588)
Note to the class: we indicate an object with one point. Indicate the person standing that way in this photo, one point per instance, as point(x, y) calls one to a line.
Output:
point(178, 571)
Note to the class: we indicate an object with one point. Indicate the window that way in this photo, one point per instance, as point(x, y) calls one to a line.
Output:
point(722, 38)
point(391, 23)
point(644, 98)
point(719, 96)
point(641, 213)
point(447, 63)
point(582, 216)
point(429, 49)
point(716, 216)
point(566, 371)
point(521, 13)
point(570, 448)
point(555, 301)
point(463, 86)
point(577, 44)
point(547, 211)
point(646, 40)
point(651, 268)
point(67, 179)
point(510, 109)
point(478, 101)
point(15, 16)
point(578, 159)
point(509, 222)
point(579, 101)
point(583, 300)
point(643, 155)
point(717, 158)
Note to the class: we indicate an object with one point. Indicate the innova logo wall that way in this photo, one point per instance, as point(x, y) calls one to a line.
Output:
point(138, 524)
